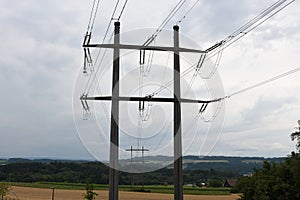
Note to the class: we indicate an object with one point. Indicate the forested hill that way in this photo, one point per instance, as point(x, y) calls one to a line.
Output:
point(226, 163)
point(195, 169)
point(238, 165)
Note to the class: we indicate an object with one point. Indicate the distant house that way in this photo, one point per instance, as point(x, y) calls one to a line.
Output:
point(190, 185)
point(248, 174)
point(230, 182)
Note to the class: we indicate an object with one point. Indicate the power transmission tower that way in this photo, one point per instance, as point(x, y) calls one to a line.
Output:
point(143, 150)
point(115, 99)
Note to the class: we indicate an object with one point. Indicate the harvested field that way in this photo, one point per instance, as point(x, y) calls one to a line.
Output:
point(25, 193)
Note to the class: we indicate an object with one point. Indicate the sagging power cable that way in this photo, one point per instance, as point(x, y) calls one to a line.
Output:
point(150, 40)
point(204, 105)
point(94, 72)
point(88, 62)
point(145, 70)
point(93, 15)
point(244, 30)
point(234, 37)
point(186, 14)
point(93, 77)
point(123, 8)
point(264, 82)
point(165, 22)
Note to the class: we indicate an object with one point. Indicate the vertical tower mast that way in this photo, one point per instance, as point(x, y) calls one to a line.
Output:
point(178, 177)
point(114, 129)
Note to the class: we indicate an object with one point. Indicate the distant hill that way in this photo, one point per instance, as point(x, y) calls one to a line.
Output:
point(43, 160)
point(196, 170)
point(237, 165)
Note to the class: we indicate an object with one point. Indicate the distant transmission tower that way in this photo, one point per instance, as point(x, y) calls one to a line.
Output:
point(131, 150)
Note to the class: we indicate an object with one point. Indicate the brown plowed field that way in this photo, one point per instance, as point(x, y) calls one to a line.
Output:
point(24, 193)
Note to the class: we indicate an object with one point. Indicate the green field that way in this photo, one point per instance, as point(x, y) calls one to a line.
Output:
point(152, 188)
point(2, 161)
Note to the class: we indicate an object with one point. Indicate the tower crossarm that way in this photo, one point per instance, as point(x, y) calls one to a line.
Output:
point(141, 47)
point(137, 150)
point(149, 99)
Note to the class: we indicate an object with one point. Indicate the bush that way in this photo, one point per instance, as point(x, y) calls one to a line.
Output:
point(90, 194)
point(4, 189)
point(215, 183)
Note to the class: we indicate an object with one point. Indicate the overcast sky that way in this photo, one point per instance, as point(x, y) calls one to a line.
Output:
point(41, 56)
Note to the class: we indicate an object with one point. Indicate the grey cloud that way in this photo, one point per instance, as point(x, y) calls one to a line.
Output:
point(38, 69)
point(41, 55)
point(263, 111)
point(264, 108)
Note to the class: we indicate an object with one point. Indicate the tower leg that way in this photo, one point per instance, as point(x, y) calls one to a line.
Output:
point(114, 129)
point(178, 176)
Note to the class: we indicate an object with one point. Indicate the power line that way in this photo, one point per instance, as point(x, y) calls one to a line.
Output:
point(244, 30)
point(239, 33)
point(91, 16)
point(153, 37)
point(123, 8)
point(145, 72)
point(165, 22)
point(95, 15)
point(264, 82)
point(189, 10)
point(251, 25)
point(242, 91)
point(88, 62)
point(92, 78)
point(218, 48)
point(111, 18)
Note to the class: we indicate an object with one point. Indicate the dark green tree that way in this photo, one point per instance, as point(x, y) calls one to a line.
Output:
point(296, 136)
point(274, 181)
point(215, 182)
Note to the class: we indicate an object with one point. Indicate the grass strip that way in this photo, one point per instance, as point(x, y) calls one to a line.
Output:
point(148, 188)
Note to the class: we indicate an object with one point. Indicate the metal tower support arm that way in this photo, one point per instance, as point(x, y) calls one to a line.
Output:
point(149, 99)
point(140, 47)
point(137, 149)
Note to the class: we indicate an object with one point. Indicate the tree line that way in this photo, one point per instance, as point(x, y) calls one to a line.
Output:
point(97, 173)
point(275, 180)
